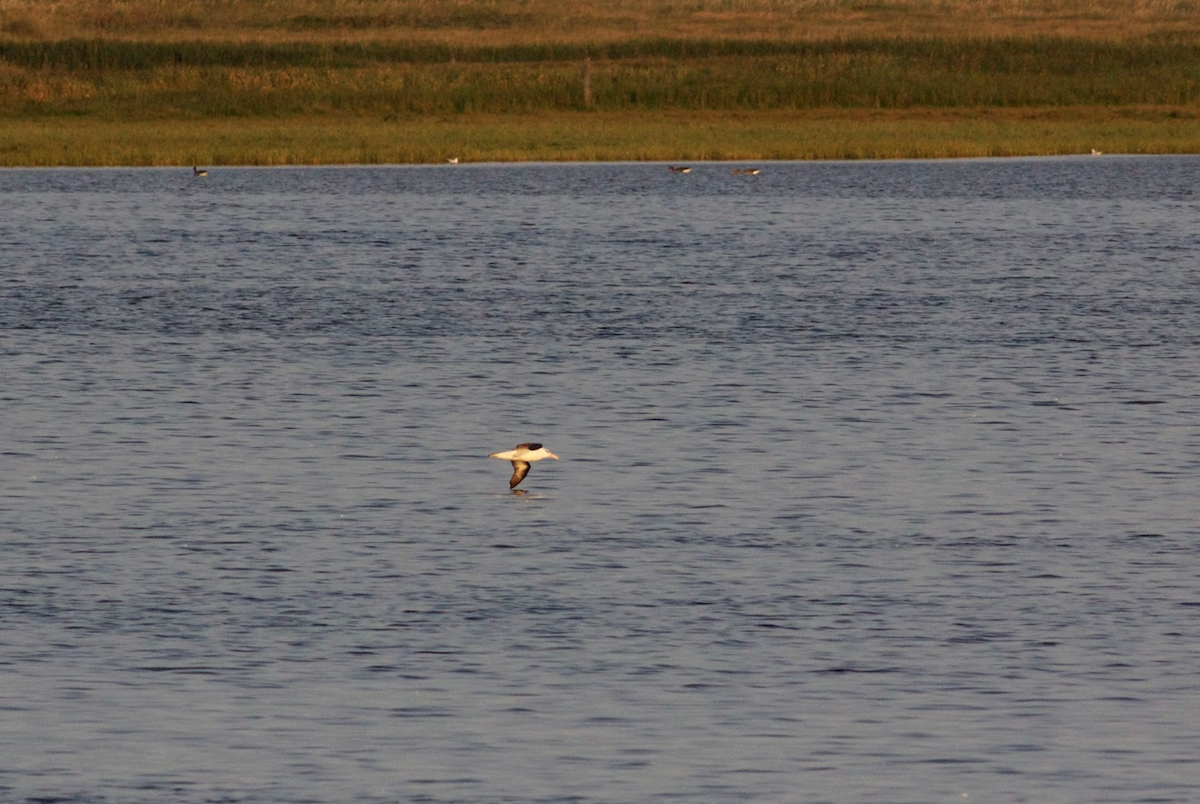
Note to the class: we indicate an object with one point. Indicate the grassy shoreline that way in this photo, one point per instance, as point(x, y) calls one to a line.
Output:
point(591, 136)
point(141, 82)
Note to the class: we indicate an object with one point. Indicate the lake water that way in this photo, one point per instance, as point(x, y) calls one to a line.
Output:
point(878, 484)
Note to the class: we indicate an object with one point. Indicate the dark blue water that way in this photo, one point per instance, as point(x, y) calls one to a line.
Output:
point(878, 484)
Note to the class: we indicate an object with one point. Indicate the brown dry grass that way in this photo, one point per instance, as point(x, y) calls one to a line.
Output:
point(244, 86)
point(500, 22)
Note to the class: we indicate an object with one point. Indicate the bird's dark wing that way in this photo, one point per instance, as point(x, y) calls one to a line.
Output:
point(520, 469)
point(530, 446)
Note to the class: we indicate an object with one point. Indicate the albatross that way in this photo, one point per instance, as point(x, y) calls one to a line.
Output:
point(521, 457)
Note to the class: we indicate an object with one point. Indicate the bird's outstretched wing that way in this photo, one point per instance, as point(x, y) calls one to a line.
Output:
point(520, 469)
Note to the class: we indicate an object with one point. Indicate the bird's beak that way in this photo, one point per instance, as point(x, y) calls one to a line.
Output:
point(550, 454)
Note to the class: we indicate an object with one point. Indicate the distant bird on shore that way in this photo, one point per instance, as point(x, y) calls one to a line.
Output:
point(521, 457)
point(198, 172)
point(679, 168)
point(746, 171)
point(1097, 153)
point(453, 160)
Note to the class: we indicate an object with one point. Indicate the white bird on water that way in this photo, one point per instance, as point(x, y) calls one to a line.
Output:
point(521, 457)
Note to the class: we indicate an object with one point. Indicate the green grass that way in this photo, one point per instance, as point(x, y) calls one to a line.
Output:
point(590, 136)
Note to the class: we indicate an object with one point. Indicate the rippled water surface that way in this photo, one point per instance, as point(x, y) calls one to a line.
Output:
point(878, 484)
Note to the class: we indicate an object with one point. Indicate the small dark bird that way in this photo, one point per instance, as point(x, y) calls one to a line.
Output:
point(679, 168)
point(521, 457)
point(198, 172)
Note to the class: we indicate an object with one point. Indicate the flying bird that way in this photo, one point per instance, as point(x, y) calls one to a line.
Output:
point(521, 457)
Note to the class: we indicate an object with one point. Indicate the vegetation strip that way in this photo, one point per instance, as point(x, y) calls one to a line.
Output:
point(593, 81)
point(588, 136)
point(1039, 53)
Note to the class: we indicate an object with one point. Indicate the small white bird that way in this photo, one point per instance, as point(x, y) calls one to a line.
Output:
point(521, 457)
point(452, 160)
point(1097, 153)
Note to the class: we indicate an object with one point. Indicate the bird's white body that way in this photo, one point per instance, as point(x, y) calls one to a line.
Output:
point(524, 453)
point(521, 457)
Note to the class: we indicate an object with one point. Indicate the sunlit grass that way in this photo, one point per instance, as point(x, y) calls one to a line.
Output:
point(325, 81)
point(590, 136)
point(512, 21)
